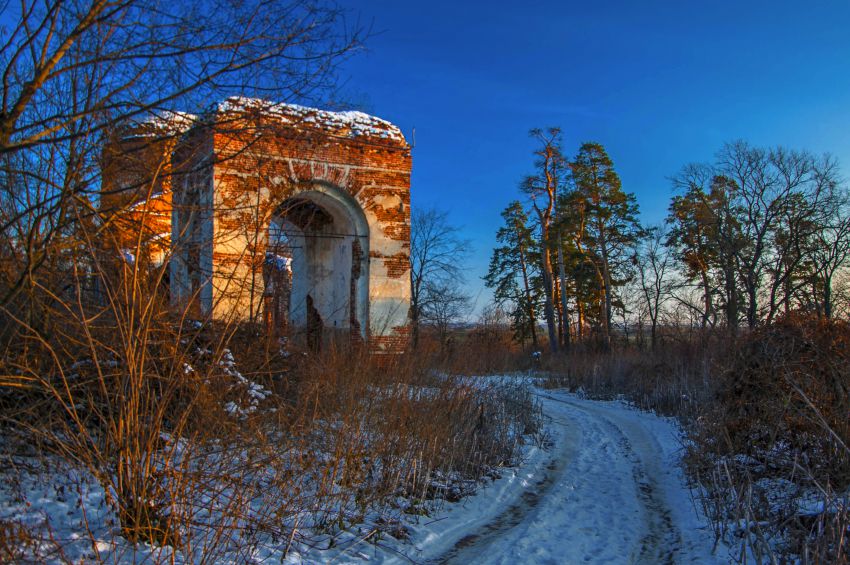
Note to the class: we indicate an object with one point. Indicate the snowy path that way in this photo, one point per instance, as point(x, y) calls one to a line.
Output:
point(609, 491)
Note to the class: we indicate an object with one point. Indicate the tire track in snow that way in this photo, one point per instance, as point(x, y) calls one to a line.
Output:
point(607, 508)
point(464, 549)
point(662, 541)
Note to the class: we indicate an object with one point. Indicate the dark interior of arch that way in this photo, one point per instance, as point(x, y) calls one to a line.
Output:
point(314, 271)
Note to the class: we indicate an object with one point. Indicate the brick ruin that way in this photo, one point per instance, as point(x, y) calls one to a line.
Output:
point(292, 215)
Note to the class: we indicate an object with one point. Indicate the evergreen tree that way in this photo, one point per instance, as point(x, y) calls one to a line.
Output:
point(611, 227)
point(691, 236)
point(542, 188)
point(511, 272)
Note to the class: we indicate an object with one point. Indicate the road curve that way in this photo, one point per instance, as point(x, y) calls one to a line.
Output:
point(610, 494)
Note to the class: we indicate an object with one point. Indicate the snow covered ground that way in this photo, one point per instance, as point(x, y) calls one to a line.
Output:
point(607, 490)
point(604, 487)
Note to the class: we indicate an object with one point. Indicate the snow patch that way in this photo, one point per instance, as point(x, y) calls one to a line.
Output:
point(163, 122)
point(348, 123)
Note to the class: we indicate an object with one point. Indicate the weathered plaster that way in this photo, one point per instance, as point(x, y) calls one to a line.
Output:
point(246, 166)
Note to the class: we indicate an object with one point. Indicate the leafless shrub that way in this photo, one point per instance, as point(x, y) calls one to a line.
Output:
point(674, 380)
point(771, 452)
point(208, 439)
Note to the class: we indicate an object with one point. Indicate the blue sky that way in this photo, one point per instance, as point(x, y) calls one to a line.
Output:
point(659, 83)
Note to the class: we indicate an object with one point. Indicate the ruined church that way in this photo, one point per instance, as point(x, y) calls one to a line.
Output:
point(289, 215)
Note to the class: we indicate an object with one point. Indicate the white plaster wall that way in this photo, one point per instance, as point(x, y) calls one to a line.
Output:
point(235, 291)
point(195, 230)
point(389, 297)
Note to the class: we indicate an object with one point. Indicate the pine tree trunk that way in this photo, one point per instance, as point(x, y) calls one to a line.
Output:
point(532, 319)
point(559, 311)
point(564, 308)
point(580, 324)
point(549, 305)
point(606, 278)
point(606, 289)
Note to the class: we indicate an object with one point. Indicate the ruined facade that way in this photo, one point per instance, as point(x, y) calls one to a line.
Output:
point(282, 213)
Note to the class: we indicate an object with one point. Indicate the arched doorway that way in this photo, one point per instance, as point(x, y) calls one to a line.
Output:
point(316, 269)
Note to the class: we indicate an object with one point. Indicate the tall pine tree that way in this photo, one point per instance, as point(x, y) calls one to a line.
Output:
point(542, 187)
point(511, 272)
point(612, 230)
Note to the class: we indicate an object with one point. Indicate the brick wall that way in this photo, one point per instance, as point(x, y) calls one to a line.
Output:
point(235, 168)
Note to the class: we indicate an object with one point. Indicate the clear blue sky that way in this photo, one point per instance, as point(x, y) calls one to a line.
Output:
point(659, 83)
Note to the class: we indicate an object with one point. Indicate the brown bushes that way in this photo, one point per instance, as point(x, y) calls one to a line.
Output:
point(770, 450)
point(477, 350)
point(674, 380)
point(194, 430)
point(787, 389)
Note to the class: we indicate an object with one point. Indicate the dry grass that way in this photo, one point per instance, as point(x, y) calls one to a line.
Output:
point(771, 450)
point(766, 428)
point(477, 350)
point(676, 380)
point(212, 440)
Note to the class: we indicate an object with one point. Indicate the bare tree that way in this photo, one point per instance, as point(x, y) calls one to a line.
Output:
point(775, 194)
point(76, 75)
point(653, 273)
point(746, 227)
point(444, 303)
point(74, 71)
point(438, 257)
point(829, 253)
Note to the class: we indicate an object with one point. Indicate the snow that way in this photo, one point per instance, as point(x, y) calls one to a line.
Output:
point(161, 122)
point(252, 394)
point(279, 262)
point(66, 503)
point(348, 123)
point(609, 490)
point(603, 486)
point(169, 121)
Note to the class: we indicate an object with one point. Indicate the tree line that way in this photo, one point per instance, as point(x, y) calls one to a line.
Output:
point(756, 234)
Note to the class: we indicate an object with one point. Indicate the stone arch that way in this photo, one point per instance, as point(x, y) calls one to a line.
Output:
point(320, 233)
point(234, 170)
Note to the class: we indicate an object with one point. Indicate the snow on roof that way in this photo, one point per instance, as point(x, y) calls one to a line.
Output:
point(348, 123)
point(162, 122)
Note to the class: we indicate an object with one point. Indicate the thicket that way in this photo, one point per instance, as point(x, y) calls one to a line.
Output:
point(767, 427)
point(212, 440)
point(771, 450)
